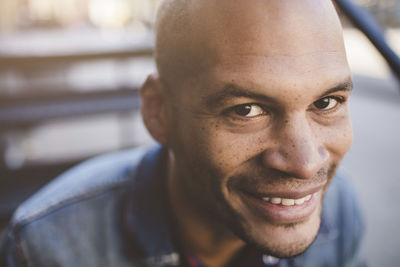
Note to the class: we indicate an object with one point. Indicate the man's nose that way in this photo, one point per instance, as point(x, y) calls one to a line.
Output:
point(297, 150)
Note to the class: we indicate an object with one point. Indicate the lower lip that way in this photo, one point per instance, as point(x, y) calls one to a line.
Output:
point(280, 214)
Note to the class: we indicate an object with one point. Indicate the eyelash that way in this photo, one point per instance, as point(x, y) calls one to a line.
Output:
point(236, 116)
point(340, 100)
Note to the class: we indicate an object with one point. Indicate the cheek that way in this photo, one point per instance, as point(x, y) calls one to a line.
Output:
point(225, 150)
point(339, 137)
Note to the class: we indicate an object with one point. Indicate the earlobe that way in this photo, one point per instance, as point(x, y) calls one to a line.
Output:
point(153, 108)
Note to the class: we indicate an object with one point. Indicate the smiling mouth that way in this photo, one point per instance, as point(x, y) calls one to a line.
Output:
point(287, 201)
point(281, 209)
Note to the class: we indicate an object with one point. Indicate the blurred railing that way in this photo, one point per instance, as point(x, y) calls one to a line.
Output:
point(18, 62)
point(27, 112)
point(372, 30)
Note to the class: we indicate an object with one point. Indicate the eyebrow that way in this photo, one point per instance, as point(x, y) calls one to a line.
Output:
point(233, 90)
point(345, 86)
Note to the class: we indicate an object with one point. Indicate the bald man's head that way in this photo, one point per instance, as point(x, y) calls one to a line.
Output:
point(251, 103)
point(191, 35)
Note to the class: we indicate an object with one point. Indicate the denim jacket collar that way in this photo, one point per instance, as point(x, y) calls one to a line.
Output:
point(147, 217)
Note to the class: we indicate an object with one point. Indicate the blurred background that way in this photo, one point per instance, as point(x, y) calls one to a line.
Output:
point(69, 75)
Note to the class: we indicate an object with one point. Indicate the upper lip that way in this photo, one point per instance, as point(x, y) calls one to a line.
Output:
point(285, 193)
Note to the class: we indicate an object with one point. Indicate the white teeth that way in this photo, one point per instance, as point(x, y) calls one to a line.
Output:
point(300, 201)
point(276, 200)
point(287, 201)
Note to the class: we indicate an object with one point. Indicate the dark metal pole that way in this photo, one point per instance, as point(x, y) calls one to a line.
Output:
point(367, 24)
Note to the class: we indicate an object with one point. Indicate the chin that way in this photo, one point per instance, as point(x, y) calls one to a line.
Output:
point(294, 241)
point(282, 241)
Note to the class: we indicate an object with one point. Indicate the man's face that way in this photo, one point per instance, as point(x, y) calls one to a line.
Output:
point(258, 135)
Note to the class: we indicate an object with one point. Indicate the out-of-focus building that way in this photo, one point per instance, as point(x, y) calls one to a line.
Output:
point(62, 50)
point(18, 15)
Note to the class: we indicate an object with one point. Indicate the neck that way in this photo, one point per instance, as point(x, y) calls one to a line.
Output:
point(210, 242)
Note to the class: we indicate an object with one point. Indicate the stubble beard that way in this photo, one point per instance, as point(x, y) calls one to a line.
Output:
point(271, 249)
point(217, 210)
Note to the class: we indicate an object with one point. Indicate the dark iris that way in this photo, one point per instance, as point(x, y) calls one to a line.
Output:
point(242, 110)
point(322, 103)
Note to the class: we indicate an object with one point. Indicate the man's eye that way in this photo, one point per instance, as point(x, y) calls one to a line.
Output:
point(327, 103)
point(248, 110)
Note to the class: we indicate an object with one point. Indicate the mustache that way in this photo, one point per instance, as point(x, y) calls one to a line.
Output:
point(257, 180)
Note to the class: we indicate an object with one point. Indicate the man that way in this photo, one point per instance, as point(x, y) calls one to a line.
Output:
point(250, 108)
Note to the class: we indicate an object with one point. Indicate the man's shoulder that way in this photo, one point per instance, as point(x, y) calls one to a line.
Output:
point(341, 207)
point(91, 178)
point(339, 239)
point(79, 210)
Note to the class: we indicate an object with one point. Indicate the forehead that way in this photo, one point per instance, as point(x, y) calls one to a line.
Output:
point(274, 43)
point(282, 71)
point(282, 27)
point(279, 77)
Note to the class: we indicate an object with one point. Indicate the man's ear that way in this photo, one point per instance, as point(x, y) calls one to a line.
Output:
point(153, 108)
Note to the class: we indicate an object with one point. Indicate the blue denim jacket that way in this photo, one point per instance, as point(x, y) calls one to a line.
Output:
point(111, 211)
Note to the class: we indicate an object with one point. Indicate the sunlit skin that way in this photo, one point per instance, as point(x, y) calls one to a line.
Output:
point(261, 111)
